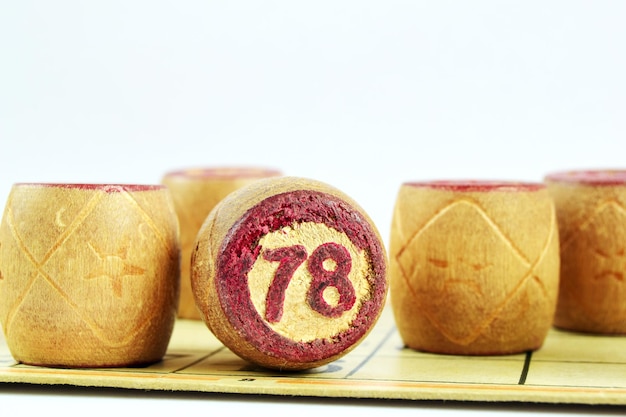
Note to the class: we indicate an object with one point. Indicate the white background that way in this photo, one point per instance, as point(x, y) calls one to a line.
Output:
point(363, 95)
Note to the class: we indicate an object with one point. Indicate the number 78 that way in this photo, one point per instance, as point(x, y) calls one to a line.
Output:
point(324, 276)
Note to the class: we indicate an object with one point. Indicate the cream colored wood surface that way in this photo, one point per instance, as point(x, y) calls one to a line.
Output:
point(473, 272)
point(592, 223)
point(89, 276)
point(195, 192)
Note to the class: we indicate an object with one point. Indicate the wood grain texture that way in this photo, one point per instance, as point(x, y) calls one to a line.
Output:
point(90, 274)
point(474, 267)
point(195, 192)
point(591, 212)
point(289, 273)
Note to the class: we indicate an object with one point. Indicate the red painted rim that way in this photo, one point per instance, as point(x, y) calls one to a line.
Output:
point(240, 251)
point(590, 177)
point(223, 173)
point(109, 188)
point(476, 185)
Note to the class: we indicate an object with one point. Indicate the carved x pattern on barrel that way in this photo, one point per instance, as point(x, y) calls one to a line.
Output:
point(407, 271)
point(39, 264)
point(110, 338)
point(597, 211)
point(146, 226)
point(609, 255)
point(448, 207)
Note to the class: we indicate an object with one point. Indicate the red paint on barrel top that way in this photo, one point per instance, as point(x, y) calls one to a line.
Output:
point(599, 177)
point(108, 188)
point(477, 185)
point(223, 173)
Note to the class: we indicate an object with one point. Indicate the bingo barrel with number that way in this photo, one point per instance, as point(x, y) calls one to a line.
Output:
point(289, 273)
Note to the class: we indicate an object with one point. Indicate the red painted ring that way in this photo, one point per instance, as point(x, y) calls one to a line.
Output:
point(239, 252)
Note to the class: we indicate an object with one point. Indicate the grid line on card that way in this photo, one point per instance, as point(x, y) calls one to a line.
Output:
point(527, 359)
point(372, 352)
